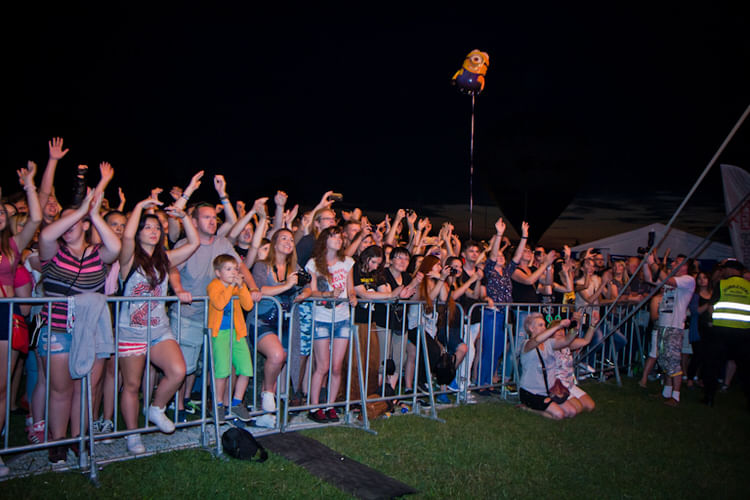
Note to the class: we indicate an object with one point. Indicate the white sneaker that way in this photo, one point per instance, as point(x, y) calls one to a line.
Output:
point(135, 445)
point(268, 401)
point(4, 470)
point(156, 416)
point(267, 420)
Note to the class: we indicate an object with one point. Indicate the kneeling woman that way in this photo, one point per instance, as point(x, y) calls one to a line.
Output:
point(565, 368)
point(538, 366)
point(144, 267)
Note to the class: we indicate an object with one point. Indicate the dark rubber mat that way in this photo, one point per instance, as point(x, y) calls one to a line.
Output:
point(346, 474)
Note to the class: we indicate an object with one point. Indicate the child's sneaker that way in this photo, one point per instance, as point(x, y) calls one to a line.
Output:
point(239, 411)
point(135, 445)
point(157, 417)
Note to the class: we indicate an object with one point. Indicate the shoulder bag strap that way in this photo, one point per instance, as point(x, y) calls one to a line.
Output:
point(544, 370)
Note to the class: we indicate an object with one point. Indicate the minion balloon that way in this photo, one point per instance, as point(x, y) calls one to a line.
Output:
point(470, 78)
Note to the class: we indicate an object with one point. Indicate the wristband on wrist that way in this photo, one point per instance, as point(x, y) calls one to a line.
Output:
point(185, 196)
point(224, 198)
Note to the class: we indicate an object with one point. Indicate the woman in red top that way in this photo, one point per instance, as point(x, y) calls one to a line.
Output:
point(10, 257)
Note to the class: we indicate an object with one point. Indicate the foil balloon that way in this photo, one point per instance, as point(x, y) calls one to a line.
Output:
point(470, 78)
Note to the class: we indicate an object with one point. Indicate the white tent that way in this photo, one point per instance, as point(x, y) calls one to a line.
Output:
point(679, 241)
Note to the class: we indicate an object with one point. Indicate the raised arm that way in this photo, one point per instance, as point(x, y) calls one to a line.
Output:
point(495, 245)
point(127, 249)
point(111, 243)
point(258, 207)
point(390, 236)
point(181, 201)
point(520, 277)
point(522, 243)
point(258, 235)
point(532, 343)
point(278, 218)
point(179, 255)
point(230, 217)
point(56, 153)
point(26, 178)
point(48, 245)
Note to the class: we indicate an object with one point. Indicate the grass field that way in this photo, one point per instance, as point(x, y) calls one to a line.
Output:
point(632, 446)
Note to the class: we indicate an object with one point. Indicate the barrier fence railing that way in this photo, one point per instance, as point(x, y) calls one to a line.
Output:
point(391, 351)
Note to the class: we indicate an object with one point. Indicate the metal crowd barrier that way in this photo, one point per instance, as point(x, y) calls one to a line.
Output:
point(502, 325)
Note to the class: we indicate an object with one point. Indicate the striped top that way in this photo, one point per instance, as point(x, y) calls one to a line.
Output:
point(65, 275)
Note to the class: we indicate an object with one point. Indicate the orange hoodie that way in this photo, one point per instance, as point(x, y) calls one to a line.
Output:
point(219, 296)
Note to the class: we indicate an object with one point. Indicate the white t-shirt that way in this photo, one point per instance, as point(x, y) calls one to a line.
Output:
point(675, 301)
point(339, 273)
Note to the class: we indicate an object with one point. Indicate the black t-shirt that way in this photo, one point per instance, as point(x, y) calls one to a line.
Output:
point(524, 293)
point(305, 249)
point(371, 282)
point(242, 252)
point(466, 301)
point(396, 310)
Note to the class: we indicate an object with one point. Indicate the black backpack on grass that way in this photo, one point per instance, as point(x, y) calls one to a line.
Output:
point(239, 443)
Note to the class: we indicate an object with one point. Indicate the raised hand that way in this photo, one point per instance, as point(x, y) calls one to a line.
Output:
point(280, 198)
point(121, 194)
point(95, 202)
point(239, 206)
point(324, 201)
point(400, 214)
point(156, 192)
point(56, 150)
point(106, 171)
point(195, 182)
point(220, 184)
point(151, 201)
point(524, 229)
point(259, 206)
point(290, 215)
point(173, 211)
point(411, 218)
point(500, 226)
point(26, 175)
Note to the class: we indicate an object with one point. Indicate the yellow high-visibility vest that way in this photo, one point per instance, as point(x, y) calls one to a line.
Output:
point(733, 308)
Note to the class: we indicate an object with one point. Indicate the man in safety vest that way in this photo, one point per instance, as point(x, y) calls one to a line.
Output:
point(731, 329)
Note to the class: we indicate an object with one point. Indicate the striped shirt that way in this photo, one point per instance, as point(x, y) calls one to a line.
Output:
point(65, 275)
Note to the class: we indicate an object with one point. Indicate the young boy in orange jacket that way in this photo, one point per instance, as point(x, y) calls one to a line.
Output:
point(223, 322)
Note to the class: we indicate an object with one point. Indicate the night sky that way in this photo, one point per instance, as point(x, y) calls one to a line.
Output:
point(580, 103)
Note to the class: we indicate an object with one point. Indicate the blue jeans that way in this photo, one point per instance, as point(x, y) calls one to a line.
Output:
point(493, 344)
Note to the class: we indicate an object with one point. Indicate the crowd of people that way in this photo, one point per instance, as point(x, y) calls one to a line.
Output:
point(341, 261)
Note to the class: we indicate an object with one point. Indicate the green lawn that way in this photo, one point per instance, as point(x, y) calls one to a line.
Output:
point(632, 446)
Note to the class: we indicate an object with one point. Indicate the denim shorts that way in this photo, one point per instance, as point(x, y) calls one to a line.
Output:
point(341, 330)
point(61, 343)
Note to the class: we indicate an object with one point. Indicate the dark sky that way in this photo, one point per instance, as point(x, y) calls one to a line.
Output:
point(578, 101)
